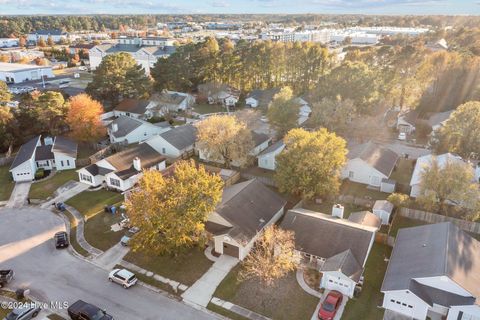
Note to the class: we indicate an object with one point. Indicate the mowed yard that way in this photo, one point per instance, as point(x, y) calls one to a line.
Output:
point(284, 300)
point(44, 189)
point(6, 182)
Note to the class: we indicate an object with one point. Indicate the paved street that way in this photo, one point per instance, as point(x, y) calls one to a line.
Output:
point(55, 275)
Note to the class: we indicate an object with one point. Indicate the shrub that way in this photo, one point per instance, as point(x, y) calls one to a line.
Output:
point(399, 199)
point(40, 173)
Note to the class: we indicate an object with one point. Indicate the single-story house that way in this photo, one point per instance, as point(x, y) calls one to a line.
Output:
point(132, 130)
point(267, 158)
point(59, 153)
point(175, 142)
point(438, 120)
point(383, 209)
point(425, 162)
point(260, 143)
point(261, 98)
point(304, 110)
point(336, 247)
point(171, 101)
point(219, 93)
point(246, 209)
point(122, 170)
point(369, 163)
point(406, 121)
point(434, 272)
point(134, 108)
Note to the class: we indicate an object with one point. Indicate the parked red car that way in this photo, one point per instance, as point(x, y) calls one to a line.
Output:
point(330, 305)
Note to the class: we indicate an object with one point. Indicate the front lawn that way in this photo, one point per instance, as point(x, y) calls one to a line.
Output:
point(205, 108)
point(98, 230)
point(366, 305)
point(89, 203)
point(44, 189)
point(284, 300)
point(185, 267)
point(6, 182)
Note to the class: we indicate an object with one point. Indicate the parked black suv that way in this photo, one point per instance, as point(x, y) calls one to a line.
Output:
point(82, 310)
point(61, 239)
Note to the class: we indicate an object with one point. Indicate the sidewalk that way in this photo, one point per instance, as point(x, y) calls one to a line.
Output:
point(66, 192)
point(202, 291)
point(80, 236)
point(304, 285)
point(112, 256)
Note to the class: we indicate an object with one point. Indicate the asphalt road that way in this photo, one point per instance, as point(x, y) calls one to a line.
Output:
point(26, 246)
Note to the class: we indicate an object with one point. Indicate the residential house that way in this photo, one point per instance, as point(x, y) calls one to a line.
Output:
point(369, 163)
point(134, 108)
point(175, 142)
point(304, 110)
point(130, 130)
point(434, 273)
point(261, 98)
point(406, 121)
point(59, 153)
point(440, 45)
point(260, 143)
point(172, 101)
point(383, 210)
point(425, 162)
point(218, 93)
point(336, 247)
point(267, 158)
point(438, 120)
point(246, 209)
point(122, 170)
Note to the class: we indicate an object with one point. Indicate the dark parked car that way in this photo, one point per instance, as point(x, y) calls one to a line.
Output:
point(27, 312)
point(82, 310)
point(330, 305)
point(5, 277)
point(61, 239)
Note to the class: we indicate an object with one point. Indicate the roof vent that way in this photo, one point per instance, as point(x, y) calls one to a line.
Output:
point(424, 245)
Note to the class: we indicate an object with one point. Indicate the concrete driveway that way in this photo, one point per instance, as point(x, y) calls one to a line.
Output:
point(339, 313)
point(26, 246)
point(19, 195)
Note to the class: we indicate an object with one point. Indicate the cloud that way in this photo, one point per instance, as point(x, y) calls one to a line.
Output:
point(220, 4)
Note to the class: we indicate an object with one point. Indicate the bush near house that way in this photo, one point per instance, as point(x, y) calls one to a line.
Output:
point(40, 173)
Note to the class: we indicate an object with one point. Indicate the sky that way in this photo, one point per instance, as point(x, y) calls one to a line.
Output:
point(443, 7)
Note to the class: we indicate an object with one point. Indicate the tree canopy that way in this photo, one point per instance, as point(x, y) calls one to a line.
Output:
point(171, 211)
point(118, 76)
point(310, 164)
point(283, 111)
point(5, 95)
point(84, 119)
point(334, 114)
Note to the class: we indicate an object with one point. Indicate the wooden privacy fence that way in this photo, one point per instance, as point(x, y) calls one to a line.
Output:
point(430, 217)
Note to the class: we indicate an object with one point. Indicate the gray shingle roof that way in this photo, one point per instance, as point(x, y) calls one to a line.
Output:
point(381, 158)
point(433, 250)
point(433, 295)
point(325, 236)
point(259, 138)
point(43, 153)
point(181, 137)
point(125, 125)
point(274, 147)
point(264, 97)
point(26, 152)
point(346, 263)
point(248, 206)
point(94, 170)
point(133, 106)
point(65, 146)
point(365, 218)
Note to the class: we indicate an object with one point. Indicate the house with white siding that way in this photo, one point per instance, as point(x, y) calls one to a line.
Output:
point(59, 153)
point(171, 101)
point(434, 273)
point(260, 97)
point(246, 209)
point(122, 170)
point(369, 164)
point(175, 142)
point(336, 247)
point(130, 130)
point(267, 158)
point(134, 108)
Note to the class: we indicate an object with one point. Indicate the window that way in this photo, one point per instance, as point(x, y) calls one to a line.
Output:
point(163, 150)
point(68, 162)
point(115, 182)
point(350, 174)
point(85, 177)
point(61, 163)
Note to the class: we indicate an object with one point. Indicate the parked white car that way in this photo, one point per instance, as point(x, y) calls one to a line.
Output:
point(123, 277)
point(402, 136)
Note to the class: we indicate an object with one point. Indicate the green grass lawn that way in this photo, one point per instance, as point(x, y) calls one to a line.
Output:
point(85, 151)
point(224, 312)
point(89, 203)
point(284, 300)
point(6, 182)
point(73, 238)
point(366, 305)
point(361, 191)
point(185, 267)
point(326, 207)
point(98, 232)
point(44, 189)
point(206, 108)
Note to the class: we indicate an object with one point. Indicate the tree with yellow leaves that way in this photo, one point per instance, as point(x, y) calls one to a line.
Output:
point(83, 118)
point(224, 139)
point(171, 211)
point(272, 257)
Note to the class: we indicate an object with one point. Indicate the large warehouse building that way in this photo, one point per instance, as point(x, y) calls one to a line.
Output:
point(17, 73)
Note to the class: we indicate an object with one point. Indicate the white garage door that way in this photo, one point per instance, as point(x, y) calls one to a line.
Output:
point(337, 284)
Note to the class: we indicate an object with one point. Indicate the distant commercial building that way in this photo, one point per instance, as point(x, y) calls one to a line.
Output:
point(390, 31)
point(56, 35)
point(146, 51)
point(17, 73)
point(8, 42)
